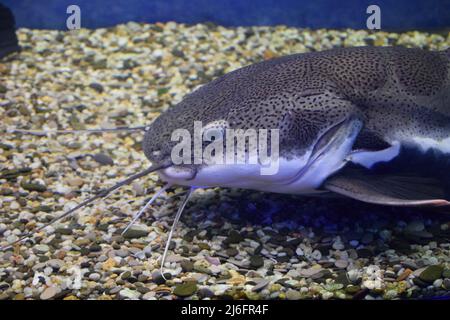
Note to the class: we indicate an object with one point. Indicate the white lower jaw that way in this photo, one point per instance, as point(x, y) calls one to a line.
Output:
point(300, 175)
point(289, 179)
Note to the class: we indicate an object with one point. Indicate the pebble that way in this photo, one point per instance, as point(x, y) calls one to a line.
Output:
point(232, 252)
point(97, 87)
point(94, 276)
point(410, 265)
point(41, 248)
point(316, 255)
point(405, 274)
point(205, 293)
point(129, 294)
point(446, 284)
point(446, 273)
point(135, 231)
point(202, 266)
point(256, 261)
point(338, 245)
point(234, 237)
point(185, 290)
point(310, 272)
point(125, 275)
point(103, 159)
point(293, 295)
point(187, 266)
point(55, 263)
point(158, 278)
point(341, 264)
point(149, 296)
point(49, 293)
point(261, 284)
point(431, 273)
point(438, 283)
point(354, 276)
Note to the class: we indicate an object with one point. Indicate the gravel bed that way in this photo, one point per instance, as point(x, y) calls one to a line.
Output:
point(229, 243)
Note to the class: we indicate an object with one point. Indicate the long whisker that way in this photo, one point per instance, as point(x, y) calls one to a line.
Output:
point(152, 199)
point(70, 131)
point(101, 194)
point(175, 222)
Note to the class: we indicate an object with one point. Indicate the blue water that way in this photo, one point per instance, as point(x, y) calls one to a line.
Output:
point(399, 14)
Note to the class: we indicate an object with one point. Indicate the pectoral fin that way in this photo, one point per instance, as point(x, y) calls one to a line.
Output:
point(387, 189)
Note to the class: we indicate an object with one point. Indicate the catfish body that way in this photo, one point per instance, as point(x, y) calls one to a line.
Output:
point(359, 106)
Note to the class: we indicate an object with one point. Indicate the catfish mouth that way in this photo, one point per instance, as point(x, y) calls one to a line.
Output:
point(329, 141)
point(177, 172)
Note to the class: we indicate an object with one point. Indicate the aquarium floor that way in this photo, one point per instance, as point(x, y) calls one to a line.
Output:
point(229, 243)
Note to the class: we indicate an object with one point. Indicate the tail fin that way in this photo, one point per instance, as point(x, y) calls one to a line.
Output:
point(8, 37)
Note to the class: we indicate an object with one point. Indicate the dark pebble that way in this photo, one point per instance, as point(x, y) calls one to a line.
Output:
point(158, 278)
point(103, 159)
point(64, 231)
point(342, 278)
point(205, 293)
point(234, 237)
point(97, 87)
point(95, 248)
point(187, 266)
point(410, 265)
point(33, 186)
point(232, 252)
point(256, 261)
point(420, 283)
point(361, 294)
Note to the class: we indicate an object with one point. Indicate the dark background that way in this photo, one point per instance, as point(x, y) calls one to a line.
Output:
point(395, 14)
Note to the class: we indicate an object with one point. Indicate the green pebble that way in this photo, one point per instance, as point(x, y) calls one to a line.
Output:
point(64, 231)
point(204, 246)
point(431, 273)
point(135, 232)
point(185, 289)
point(125, 275)
point(352, 289)
point(446, 273)
point(33, 186)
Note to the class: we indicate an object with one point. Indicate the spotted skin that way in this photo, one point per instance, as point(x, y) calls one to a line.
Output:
point(397, 92)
